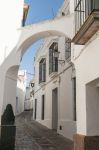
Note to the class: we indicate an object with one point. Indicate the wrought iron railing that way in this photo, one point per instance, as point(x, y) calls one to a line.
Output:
point(83, 8)
point(7, 137)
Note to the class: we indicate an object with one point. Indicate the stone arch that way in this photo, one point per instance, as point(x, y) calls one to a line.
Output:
point(29, 35)
point(56, 27)
point(31, 40)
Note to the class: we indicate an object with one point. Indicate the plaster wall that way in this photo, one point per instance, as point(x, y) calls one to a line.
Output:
point(11, 15)
point(28, 104)
point(86, 65)
point(20, 91)
point(63, 81)
point(13, 47)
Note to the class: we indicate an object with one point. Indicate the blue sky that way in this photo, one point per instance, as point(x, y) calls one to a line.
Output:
point(39, 10)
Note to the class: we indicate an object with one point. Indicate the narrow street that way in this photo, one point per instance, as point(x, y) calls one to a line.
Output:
point(31, 135)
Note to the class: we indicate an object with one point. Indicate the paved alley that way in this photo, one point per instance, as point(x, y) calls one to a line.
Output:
point(31, 135)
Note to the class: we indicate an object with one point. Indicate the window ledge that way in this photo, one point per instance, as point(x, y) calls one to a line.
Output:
point(68, 59)
point(42, 83)
point(53, 74)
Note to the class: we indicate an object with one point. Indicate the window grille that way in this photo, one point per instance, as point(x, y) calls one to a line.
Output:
point(53, 61)
point(67, 48)
point(83, 8)
point(74, 96)
point(43, 104)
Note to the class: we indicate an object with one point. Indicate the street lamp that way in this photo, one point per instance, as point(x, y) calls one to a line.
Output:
point(32, 85)
point(56, 55)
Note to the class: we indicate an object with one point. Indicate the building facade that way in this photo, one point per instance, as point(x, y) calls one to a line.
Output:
point(16, 42)
point(78, 22)
point(55, 83)
point(21, 91)
point(9, 37)
point(85, 58)
point(29, 96)
point(55, 87)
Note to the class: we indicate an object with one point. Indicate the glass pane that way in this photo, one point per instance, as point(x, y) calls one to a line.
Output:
point(96, 4)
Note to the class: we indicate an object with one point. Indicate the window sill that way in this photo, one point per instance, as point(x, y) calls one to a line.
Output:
point(68, 59)
point(42, 83)
point(53, 74)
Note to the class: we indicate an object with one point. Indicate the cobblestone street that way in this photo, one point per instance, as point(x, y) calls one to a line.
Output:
point(30, 135)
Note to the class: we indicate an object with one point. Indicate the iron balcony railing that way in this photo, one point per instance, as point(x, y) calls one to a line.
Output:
point(83, 8)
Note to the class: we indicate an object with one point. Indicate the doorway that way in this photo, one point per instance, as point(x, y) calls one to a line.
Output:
point(92, 108)
point(35, 109)
point(54, 109)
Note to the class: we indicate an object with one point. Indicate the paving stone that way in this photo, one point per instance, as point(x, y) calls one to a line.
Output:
point(30, 135)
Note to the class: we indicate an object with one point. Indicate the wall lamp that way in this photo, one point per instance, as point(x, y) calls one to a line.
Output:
point(56, 55)
point(32, 85)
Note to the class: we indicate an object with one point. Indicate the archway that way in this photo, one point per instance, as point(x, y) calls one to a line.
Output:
point(30, 34)
point(62, 26)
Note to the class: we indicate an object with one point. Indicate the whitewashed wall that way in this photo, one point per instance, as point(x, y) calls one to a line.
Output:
point(20, 92)
point(86, 62)
point(11, 16)
point(65, 90)
point(28, 99)
point(63, 82)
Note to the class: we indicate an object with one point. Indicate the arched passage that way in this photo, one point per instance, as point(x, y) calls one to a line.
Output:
point(30, 34)
point(57, 27)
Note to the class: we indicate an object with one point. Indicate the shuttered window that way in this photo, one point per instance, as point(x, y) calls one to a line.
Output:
point(42, 70)
point(53, 61)
point(84, 8)
point(74, 97)
point(43, 105)
point(35, 109)
point(67, 48)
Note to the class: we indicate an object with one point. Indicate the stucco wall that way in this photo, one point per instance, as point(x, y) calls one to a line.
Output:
point(20, 91)
point(11, 15)
point(87, 71)
point(65, 90)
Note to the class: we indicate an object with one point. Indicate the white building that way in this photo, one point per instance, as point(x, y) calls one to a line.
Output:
point(28, 105)
point(19, 39)
point(21, 91)
point(11, 14)
point(54, 96)
point(84, 56)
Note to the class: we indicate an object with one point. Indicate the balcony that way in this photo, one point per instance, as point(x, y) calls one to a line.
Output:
point(86, 20)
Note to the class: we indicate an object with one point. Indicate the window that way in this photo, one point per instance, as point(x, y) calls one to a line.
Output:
point(67, 48)
point(35, 109)
point(42, 70)
point(83, 8)
point(74, 97)
point(53, 61)
point(79, 13)
point(43, 104)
